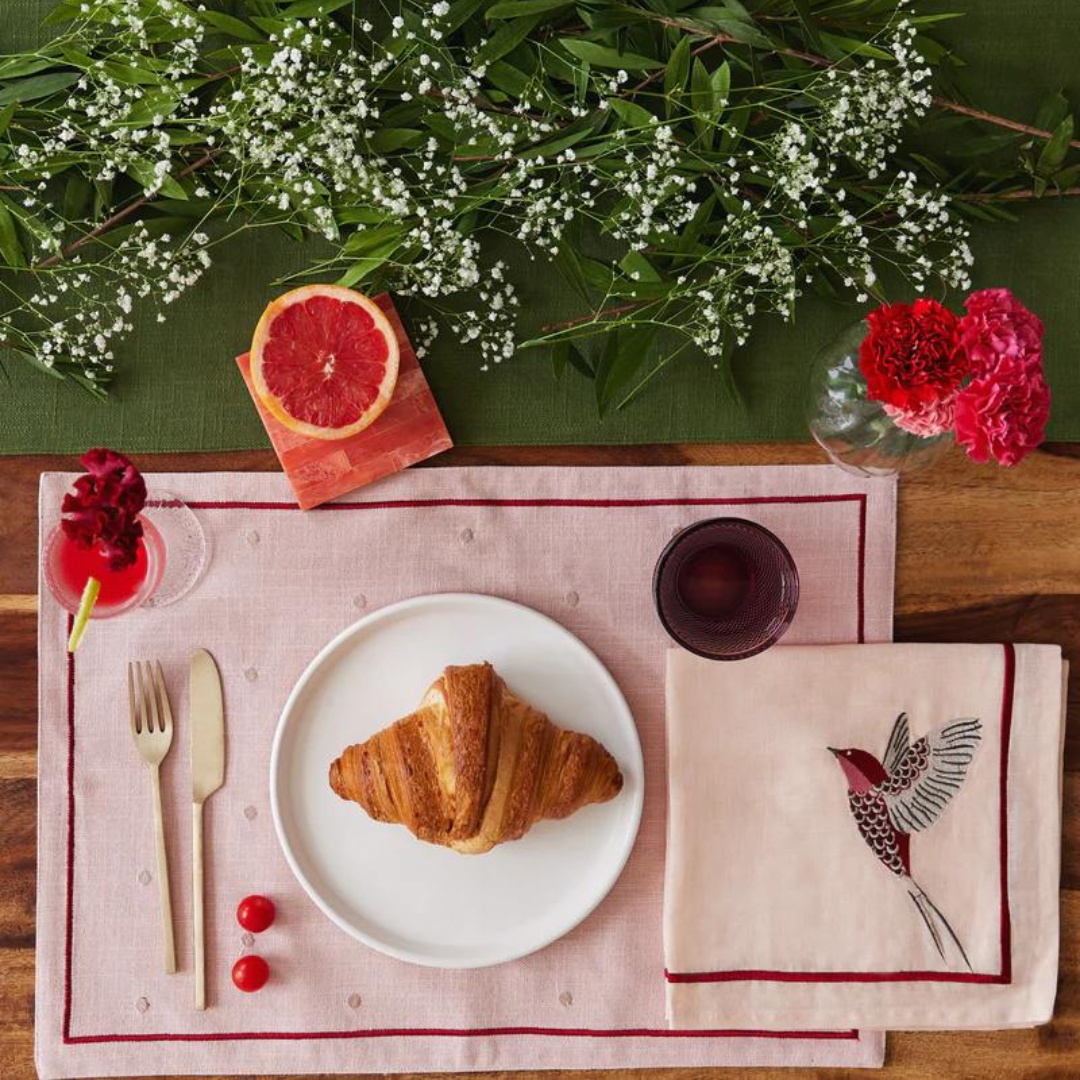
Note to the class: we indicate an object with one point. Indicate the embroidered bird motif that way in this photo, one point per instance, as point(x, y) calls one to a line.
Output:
point(906, 793)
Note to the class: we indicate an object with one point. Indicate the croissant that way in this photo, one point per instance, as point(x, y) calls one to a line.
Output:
point(474, 766)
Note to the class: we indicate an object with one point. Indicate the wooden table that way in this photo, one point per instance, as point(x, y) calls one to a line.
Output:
point(983, 555)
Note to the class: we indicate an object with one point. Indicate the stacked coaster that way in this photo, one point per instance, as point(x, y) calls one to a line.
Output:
point(410, 430)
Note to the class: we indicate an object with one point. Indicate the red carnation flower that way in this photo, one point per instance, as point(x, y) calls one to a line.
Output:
point(997, 325)
point(104, 507)
point(911, 358)
point(1003, 413)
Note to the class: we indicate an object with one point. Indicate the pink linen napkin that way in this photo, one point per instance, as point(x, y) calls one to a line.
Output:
point(577, 544)
point(865, 834)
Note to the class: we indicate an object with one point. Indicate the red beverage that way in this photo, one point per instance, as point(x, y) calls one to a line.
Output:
point(715, 581)
point(76, 564)
point(68, 566)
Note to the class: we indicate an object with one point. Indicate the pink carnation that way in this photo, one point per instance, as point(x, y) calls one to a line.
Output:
point(1002, 413)
point(997, 325)
point(933, 418)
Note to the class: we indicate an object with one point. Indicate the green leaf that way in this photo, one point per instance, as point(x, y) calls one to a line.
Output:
point(721, 87)
point(37, 87)
point(508, 78)
point(509, 36)
point(387, 140)
point(625, 350)
point(726, 371)
point(460, 12)
point(806, 20)
point(726, 22)
point(6, 113)
point(738, 10)
point(569, 265)
point(632, 115)
point(365, 241)
point(836, 48)
point(37, 229)
point(565, 353)
point(571, 135)
point(1054, 152)
point(1066, 177)
point(304, 9)
point(78, 192)
point(368, 263)
point(602, 56)
point(359, 215)
point(229, 24)
point(12, 67)
point(636, 266)
point(678, 68)
point(701, 97)
point(143, 172)
point(514, 9)
point(1052, 111)
point(10, 246)
point(157, 101)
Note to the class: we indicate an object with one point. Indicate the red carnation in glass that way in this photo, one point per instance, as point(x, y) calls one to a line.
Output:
point(911, 358)
point(104, 507)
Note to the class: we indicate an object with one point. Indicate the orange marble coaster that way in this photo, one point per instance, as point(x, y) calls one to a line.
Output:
point(409, 431)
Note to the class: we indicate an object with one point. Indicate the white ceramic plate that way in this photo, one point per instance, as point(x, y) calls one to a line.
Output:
point(417, 901)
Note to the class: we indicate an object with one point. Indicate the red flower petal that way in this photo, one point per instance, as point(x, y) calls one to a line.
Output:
point(103, 506)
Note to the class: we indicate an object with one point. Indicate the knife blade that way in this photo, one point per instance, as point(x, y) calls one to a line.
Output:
point(207, 727)
point(207, 723)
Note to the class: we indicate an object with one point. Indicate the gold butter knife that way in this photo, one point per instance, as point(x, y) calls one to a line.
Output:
point(207, 725)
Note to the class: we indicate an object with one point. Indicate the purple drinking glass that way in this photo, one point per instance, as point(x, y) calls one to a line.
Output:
point(726, 588)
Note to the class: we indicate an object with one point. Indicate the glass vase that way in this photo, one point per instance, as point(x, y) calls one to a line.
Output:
point(857, 433)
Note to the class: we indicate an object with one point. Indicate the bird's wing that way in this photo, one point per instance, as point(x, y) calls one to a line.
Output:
point(929, 773)
point(899, 741)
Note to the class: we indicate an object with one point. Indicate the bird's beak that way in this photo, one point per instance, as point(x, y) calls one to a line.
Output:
point(832, 750)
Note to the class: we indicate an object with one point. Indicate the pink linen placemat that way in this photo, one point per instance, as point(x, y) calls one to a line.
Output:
point(905, 807)
point(577, 544)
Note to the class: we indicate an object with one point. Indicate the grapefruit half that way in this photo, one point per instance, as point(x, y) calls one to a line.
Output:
point(324, 361)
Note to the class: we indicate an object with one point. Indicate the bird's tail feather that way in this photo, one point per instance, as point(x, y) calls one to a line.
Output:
point(932, 916)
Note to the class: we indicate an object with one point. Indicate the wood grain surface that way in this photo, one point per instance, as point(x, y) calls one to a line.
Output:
point(983, 554)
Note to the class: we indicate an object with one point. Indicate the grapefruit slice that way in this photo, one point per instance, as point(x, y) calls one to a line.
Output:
point(324, 361)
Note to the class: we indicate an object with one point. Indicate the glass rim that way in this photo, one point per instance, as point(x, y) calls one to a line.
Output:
point(778, 626)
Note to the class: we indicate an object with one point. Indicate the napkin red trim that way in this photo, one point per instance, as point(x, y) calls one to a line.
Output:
point(1004, 976)
point(373, 1033)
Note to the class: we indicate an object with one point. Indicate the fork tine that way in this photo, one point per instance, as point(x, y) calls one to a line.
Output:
point(151, 697)
point(132, 699)
point(163, 696)
point(144, 712)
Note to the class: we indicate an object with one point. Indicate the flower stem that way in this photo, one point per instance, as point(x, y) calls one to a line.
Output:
point(1018, 196)
point(595, 316)
point(120, 215)
point(82, 616)
point(998, 121)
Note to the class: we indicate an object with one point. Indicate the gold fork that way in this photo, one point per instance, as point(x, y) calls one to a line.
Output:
point(152, 730)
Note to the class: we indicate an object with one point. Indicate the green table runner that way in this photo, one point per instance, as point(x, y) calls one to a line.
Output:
point(178, 388)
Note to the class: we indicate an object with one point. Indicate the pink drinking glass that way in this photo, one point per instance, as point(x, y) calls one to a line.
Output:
point(726, 588)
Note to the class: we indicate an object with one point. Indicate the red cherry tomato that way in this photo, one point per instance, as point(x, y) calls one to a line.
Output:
point(250, 973)
point(255, 913)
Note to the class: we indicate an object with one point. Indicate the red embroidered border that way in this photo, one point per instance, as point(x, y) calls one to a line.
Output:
point(452, 1033)
point(1002, 977)
point(658, 1033)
